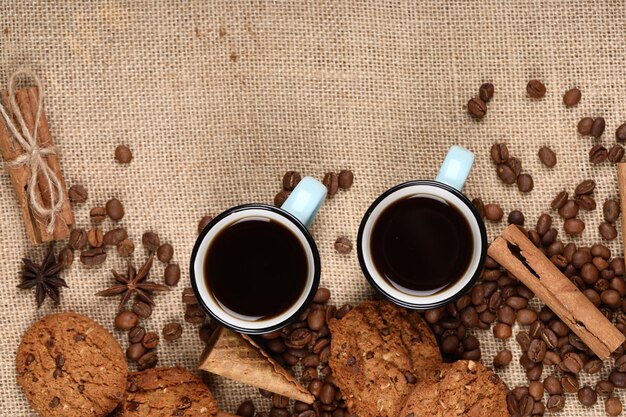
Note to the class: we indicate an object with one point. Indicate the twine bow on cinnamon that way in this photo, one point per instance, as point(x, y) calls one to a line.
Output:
point(34, 155)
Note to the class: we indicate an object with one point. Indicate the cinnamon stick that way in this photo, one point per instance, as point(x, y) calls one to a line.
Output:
point(621, 182)
point(515, 252)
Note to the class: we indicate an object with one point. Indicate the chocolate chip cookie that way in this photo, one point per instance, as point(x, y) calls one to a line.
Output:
point(378, 353)
point(70, 366)
point(463, 388)
point(167, 392)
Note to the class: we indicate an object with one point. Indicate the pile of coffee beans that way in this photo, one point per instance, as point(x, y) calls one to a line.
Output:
point(332, 180)
point(477, 106)
point(303, 347)
point(509, 168)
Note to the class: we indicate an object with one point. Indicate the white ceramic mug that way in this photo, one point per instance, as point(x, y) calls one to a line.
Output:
point(446, 187)
point(296, 214)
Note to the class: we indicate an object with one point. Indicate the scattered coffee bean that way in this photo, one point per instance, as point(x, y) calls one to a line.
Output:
point(616, 154)
point(569, 383)
point(135, 351)
point(499, 153)
point(587, 396)
point(115, 236)
point(95, 237)
point(586, 202)
point(573, 227)
point(331, 181)
point(516, 217)
point(555, 403)
point(123, 155)
point(493, 212)
point(204, 222)
point(97, 214)
point(584, 126)
point(502, 358)
point(93, 257)
point(194, 314)
point(343, 245)
point(613, 406)
point(506, 174)
point(585, 187)
point(126, 320)
point(525, 183)
point(291, 179)
point(569, 210)
point(480, 206)
point(114, 209)
point(281, 197)
point(547, 156)
point(322, 295)
point(476, 108)
point(172, 331)
point(147, 361)
point(552, 385)
point(598, 154)
point(604, 388)
point(246, 409)
point(77, 193)
point(125, 248)
point(572, 362)
point(171, 275)
point(150, 340)
point(560, 200)
point(571, 97)
point(597, 127)
point(165, 252)
point(78, 239)
point(136, 334)
point(536, 89)
point(346, 178)
point(189, 297)
point(66, 257)
point(151, 241)
point(611, 210)
point(485, 92)
point(537, 350)
point(141, 309)
point(502, 331)
point(205, 331)
point(620, 133)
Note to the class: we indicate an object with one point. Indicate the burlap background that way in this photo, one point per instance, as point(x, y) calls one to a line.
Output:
point(218, 100)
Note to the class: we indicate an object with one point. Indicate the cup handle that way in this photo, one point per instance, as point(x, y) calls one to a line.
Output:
point(305, 200)
point(456, 167)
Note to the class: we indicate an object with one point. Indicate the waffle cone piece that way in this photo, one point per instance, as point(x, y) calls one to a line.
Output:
point(238, 357)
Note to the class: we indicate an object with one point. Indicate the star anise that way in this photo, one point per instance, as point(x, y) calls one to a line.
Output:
point(45, 278)
point(134, 284)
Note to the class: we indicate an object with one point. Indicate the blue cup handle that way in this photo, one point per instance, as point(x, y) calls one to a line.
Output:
point(456, 167)
point(305, 200)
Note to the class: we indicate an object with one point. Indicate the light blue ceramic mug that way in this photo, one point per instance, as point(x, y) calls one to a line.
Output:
point(297, 215)
point(445, 189)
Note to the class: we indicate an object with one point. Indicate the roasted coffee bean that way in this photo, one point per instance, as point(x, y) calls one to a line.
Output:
point(125, 248)
point(493, 212)
point(246, 409)
point(585, 187)
point(534, 373)
point(471, 355)
point(547, 156)
point(515, 164)
point(480, 206)
point(300, 337)
point(502, 358)
point(327, 394)
point(165, 252)
point(569, 383)
point(147, 361)
point(77, 193)
point(476, 108)
point(331, 181)
point(66, 257)
point(569, 210)
point(526, 316)
point(535, 89)
point(559, 200)
point(506, 174)
point(586, 202)
point(281, 197)
point(150, 340)
point(598, 154)
point(115, 236)
point(584, 126)
point(291, 179)
point(97, 214)
point(502, 331)
point(141, 309)
point(343, 245)
point(550, 338)
point(78, 239)
point(611, 210)
point(517, 303)
point(135, 351)
point(620, 364)
point(607, 231)
point(151, 241)
point(552, 385)
point(597, 127)
point(555, 248)
point(123, 154)
point(618, 379)
point(316, 319)
point(516, 217)
point(616, 154)
point(311, 360)
point(524, 340)
point(95, 237)
point(171, 275)
point(537, 350)
point(613, 406)
point(204, 331)
point(450, 344)
point(279, 401)
point(545, 314)
point(194, 314)
point(618, 266)
point(506, 315)
point(555, 403)
point(525, 183)
point(581, 257)
point(114, 209)
point(93, 257)
point(345, 309)
point(469, 317)
point(587, 396)
point(620, 133)
point(322, 295)
point(203, 223)
point(593, 366)
point(471, 343)
point(499, 153)
point(573, 227)
point(572, 362)
point(604, 388)
point(571, 97)
point(485, 92)
point(535, 390)
point(559, 328)
point(126, 320)
point(346, 178)
point(136, 334)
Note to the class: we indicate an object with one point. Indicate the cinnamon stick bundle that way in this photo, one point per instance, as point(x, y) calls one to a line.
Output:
point(515, 252)
point(36, 225)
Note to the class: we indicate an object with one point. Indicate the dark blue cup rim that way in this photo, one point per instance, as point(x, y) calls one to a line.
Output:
point(470, 282)
point(316, 267)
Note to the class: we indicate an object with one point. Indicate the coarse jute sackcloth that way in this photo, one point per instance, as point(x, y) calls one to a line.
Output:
point(218, 99)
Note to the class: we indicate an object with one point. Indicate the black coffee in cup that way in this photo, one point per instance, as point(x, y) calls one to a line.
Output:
point(421, 244)
point(256, 268)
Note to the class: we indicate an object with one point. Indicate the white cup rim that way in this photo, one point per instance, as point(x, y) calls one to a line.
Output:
point(265, 326)
point(448, 295)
